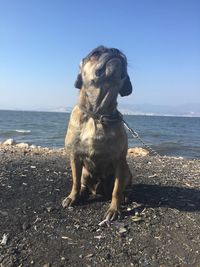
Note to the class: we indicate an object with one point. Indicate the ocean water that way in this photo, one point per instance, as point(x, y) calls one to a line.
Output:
point(170, 136)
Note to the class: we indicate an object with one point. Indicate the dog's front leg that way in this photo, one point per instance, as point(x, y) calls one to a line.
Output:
point(76, 167)
point(118, 191)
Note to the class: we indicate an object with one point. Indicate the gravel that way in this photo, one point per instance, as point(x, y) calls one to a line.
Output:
point(160, 226)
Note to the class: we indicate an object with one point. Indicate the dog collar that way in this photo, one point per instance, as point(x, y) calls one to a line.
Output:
point(104, 119)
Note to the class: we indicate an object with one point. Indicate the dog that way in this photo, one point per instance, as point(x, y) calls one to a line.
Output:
point(96, 138)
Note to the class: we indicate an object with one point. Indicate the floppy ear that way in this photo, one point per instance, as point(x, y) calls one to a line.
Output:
point(126, 88)
point(78, 83)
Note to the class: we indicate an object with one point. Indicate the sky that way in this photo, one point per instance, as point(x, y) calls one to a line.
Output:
point(43, 41)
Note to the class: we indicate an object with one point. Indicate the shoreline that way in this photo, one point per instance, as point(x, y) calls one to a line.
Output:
point(132, 151)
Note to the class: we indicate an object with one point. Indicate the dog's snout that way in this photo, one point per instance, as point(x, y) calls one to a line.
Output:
point(115, 51)
point(114, 61)
point(99, 72)
point(114, 67)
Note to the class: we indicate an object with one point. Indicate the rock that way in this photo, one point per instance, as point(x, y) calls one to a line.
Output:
point(3, 213)
point(4, 239)
point(122, 230)
point(22, 145)
point(136, 218)
point(89, 255)
point(9, 142)
point(49, 209)
point(138, 152)
point(32, 146)
point(33, 167)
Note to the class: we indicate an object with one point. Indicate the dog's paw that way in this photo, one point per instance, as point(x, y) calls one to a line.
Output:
point(69, 202)
point(84, 194)
point(112, 214)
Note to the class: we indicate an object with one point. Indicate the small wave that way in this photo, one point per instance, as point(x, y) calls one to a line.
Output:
point(23, 131)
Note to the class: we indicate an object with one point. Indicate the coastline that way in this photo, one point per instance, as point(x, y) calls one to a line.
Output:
point(165, 194)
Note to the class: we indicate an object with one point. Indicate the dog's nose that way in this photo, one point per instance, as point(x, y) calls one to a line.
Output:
point(99, 72)
point(115, 51)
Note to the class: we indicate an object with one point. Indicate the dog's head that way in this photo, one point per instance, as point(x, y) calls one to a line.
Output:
point(107, 67)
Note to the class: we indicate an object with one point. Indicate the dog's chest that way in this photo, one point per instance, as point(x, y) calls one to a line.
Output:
point(97, 140)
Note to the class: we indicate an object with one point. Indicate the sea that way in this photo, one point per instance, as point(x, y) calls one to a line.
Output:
point(170, 136)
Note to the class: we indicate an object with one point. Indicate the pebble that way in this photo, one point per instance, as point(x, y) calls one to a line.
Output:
point(89, 255)
point(122, 230)
point(3, 213)
point(33, 167)
point(4, 239)
point(49, 209)
point(136, 218)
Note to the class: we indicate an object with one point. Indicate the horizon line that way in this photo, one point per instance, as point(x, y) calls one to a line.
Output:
point(148, 114)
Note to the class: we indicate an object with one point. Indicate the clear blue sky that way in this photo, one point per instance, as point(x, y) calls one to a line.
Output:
point(43, 41)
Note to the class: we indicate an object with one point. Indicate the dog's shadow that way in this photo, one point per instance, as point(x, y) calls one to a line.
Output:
point(152, 196)
point(180, 198)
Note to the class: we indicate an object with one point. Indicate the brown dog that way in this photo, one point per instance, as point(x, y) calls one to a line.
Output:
point(96, 138)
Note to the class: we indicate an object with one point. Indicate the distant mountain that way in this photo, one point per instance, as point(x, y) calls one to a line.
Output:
point(62, 109)
point(189, 109)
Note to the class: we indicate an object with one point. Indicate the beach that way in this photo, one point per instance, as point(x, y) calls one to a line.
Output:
point(160, 226)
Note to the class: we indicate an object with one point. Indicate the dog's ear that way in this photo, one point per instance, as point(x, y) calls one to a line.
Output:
point(126, 88)
point(79, 82)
